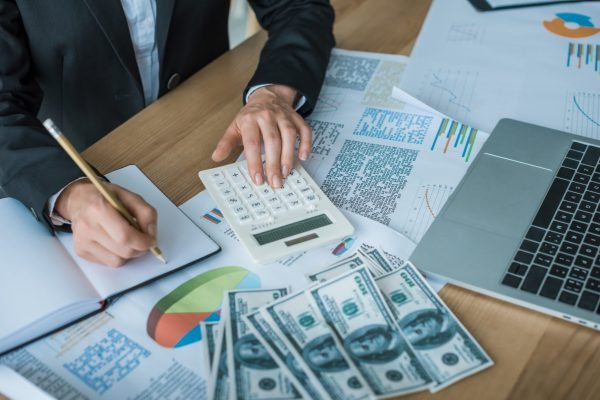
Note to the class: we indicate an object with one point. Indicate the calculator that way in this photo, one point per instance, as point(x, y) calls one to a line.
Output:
point(274, 223)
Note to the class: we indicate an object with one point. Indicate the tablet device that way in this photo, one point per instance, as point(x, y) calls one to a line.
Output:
point(492, 5)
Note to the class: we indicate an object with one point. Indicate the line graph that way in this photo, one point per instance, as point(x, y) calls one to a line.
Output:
point(582, 114)
point(449, 91)
point(427, 203)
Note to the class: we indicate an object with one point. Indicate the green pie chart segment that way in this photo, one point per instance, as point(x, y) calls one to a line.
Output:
point(173, 321)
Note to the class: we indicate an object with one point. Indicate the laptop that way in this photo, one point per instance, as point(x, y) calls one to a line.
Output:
point(524, 223)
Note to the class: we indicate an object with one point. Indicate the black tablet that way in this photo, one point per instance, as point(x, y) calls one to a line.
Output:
point(492, 5)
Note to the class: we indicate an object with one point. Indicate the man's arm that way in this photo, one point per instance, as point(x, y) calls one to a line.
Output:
point(32, 166)
point(294, 61)
point(300, 42)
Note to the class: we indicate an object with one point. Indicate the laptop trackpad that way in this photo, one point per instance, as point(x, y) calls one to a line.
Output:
point(500, 195)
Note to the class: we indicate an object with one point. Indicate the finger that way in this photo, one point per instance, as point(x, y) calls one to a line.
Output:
point(272, 138)
point(143, 212)
point(98, 254)
point(251, 141)
point(288, 146)
point(122, 233)
point(229, 141)
point(305, 133)
point(119, 249)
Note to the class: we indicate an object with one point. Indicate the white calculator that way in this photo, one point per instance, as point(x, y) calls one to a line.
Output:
point(274, 223)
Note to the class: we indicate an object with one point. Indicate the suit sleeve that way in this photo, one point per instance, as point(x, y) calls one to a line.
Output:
point(298, 48)
point(32, 165)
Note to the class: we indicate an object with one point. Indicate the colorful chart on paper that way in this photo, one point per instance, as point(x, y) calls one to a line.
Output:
point(173, 321)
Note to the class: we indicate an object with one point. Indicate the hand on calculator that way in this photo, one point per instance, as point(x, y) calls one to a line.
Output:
point(269, 117)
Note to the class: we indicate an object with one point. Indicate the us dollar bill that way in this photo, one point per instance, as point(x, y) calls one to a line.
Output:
point(354, 261)
point(376, 254)
point(254, 373)
point(313, 347)
point(218, 387)
point(355, 308)
point(378, 258)
point(285, 359)
point(444, 346)
point(209, 332)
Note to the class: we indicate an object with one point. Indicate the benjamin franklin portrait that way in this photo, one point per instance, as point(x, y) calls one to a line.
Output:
point(375, 344)
point(252, 354)
point(428, 328)
point(321, 354)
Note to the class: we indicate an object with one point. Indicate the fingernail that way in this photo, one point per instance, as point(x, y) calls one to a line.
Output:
point(258, 179)
point(276, 181)
point(304, 156)
point(285, 171)
point(152, 230)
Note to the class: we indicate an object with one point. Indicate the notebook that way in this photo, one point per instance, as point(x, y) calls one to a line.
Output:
point(44, 285)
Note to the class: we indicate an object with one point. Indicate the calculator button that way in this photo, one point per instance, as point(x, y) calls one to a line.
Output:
point(244, 188)
point(265, 191)
point(272, 200)
point(294, 204)
point(306, 191)
point(311, 199)
point(221, 184)
point(298, 181)
point(257, 205)
point(294, 173)
point(217, 175)
point(278, 209)
point(235, 175)
point(233, 201)
point(250, 197)
point(244, 219)
point(226, 192)
point(261, 214)
point(239, 210)
point(290, 196)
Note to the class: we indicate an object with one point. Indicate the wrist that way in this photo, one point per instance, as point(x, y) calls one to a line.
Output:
point(67, 202)
point(285, 93)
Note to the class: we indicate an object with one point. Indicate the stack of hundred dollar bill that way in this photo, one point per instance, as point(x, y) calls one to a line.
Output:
point(365, 328)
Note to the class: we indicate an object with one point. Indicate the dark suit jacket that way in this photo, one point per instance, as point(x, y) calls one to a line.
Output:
point(73, 61)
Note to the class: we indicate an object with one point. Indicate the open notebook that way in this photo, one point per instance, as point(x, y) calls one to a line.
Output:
point(44, 285)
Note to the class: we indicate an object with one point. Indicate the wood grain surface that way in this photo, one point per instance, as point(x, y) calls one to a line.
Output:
point(536, 356)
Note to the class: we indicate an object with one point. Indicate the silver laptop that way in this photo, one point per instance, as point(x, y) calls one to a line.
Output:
point(524, 223)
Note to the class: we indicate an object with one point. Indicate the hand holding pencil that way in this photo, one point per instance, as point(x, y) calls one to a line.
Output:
point(110, 224)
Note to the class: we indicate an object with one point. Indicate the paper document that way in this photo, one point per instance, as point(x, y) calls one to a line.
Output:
point(540, 65)
point(383, 158)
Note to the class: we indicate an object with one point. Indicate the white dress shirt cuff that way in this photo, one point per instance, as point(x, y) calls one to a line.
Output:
point(56, 219)
point(299, 103)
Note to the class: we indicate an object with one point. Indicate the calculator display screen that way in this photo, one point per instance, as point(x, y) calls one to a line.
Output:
point(292, 229)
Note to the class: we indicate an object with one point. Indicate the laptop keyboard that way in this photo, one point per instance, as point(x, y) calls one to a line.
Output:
point(559, 257)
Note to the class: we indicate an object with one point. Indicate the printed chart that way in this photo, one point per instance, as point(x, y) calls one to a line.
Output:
point(582, 114)
point(449, 91)
point(582, 55)
point(426, 205)
point(173, 321)
point(455, 138)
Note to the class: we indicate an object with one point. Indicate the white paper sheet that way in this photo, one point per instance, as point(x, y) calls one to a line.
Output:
point(520, 63)
point(179, 239)
point(37, 277)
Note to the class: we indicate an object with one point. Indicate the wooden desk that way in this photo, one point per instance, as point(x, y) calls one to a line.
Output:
point(537, 357)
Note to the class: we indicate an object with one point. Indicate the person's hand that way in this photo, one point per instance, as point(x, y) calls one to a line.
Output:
point(268, 115)
point(100, 233)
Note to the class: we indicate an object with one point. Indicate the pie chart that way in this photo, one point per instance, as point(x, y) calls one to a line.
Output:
point(173, 321)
